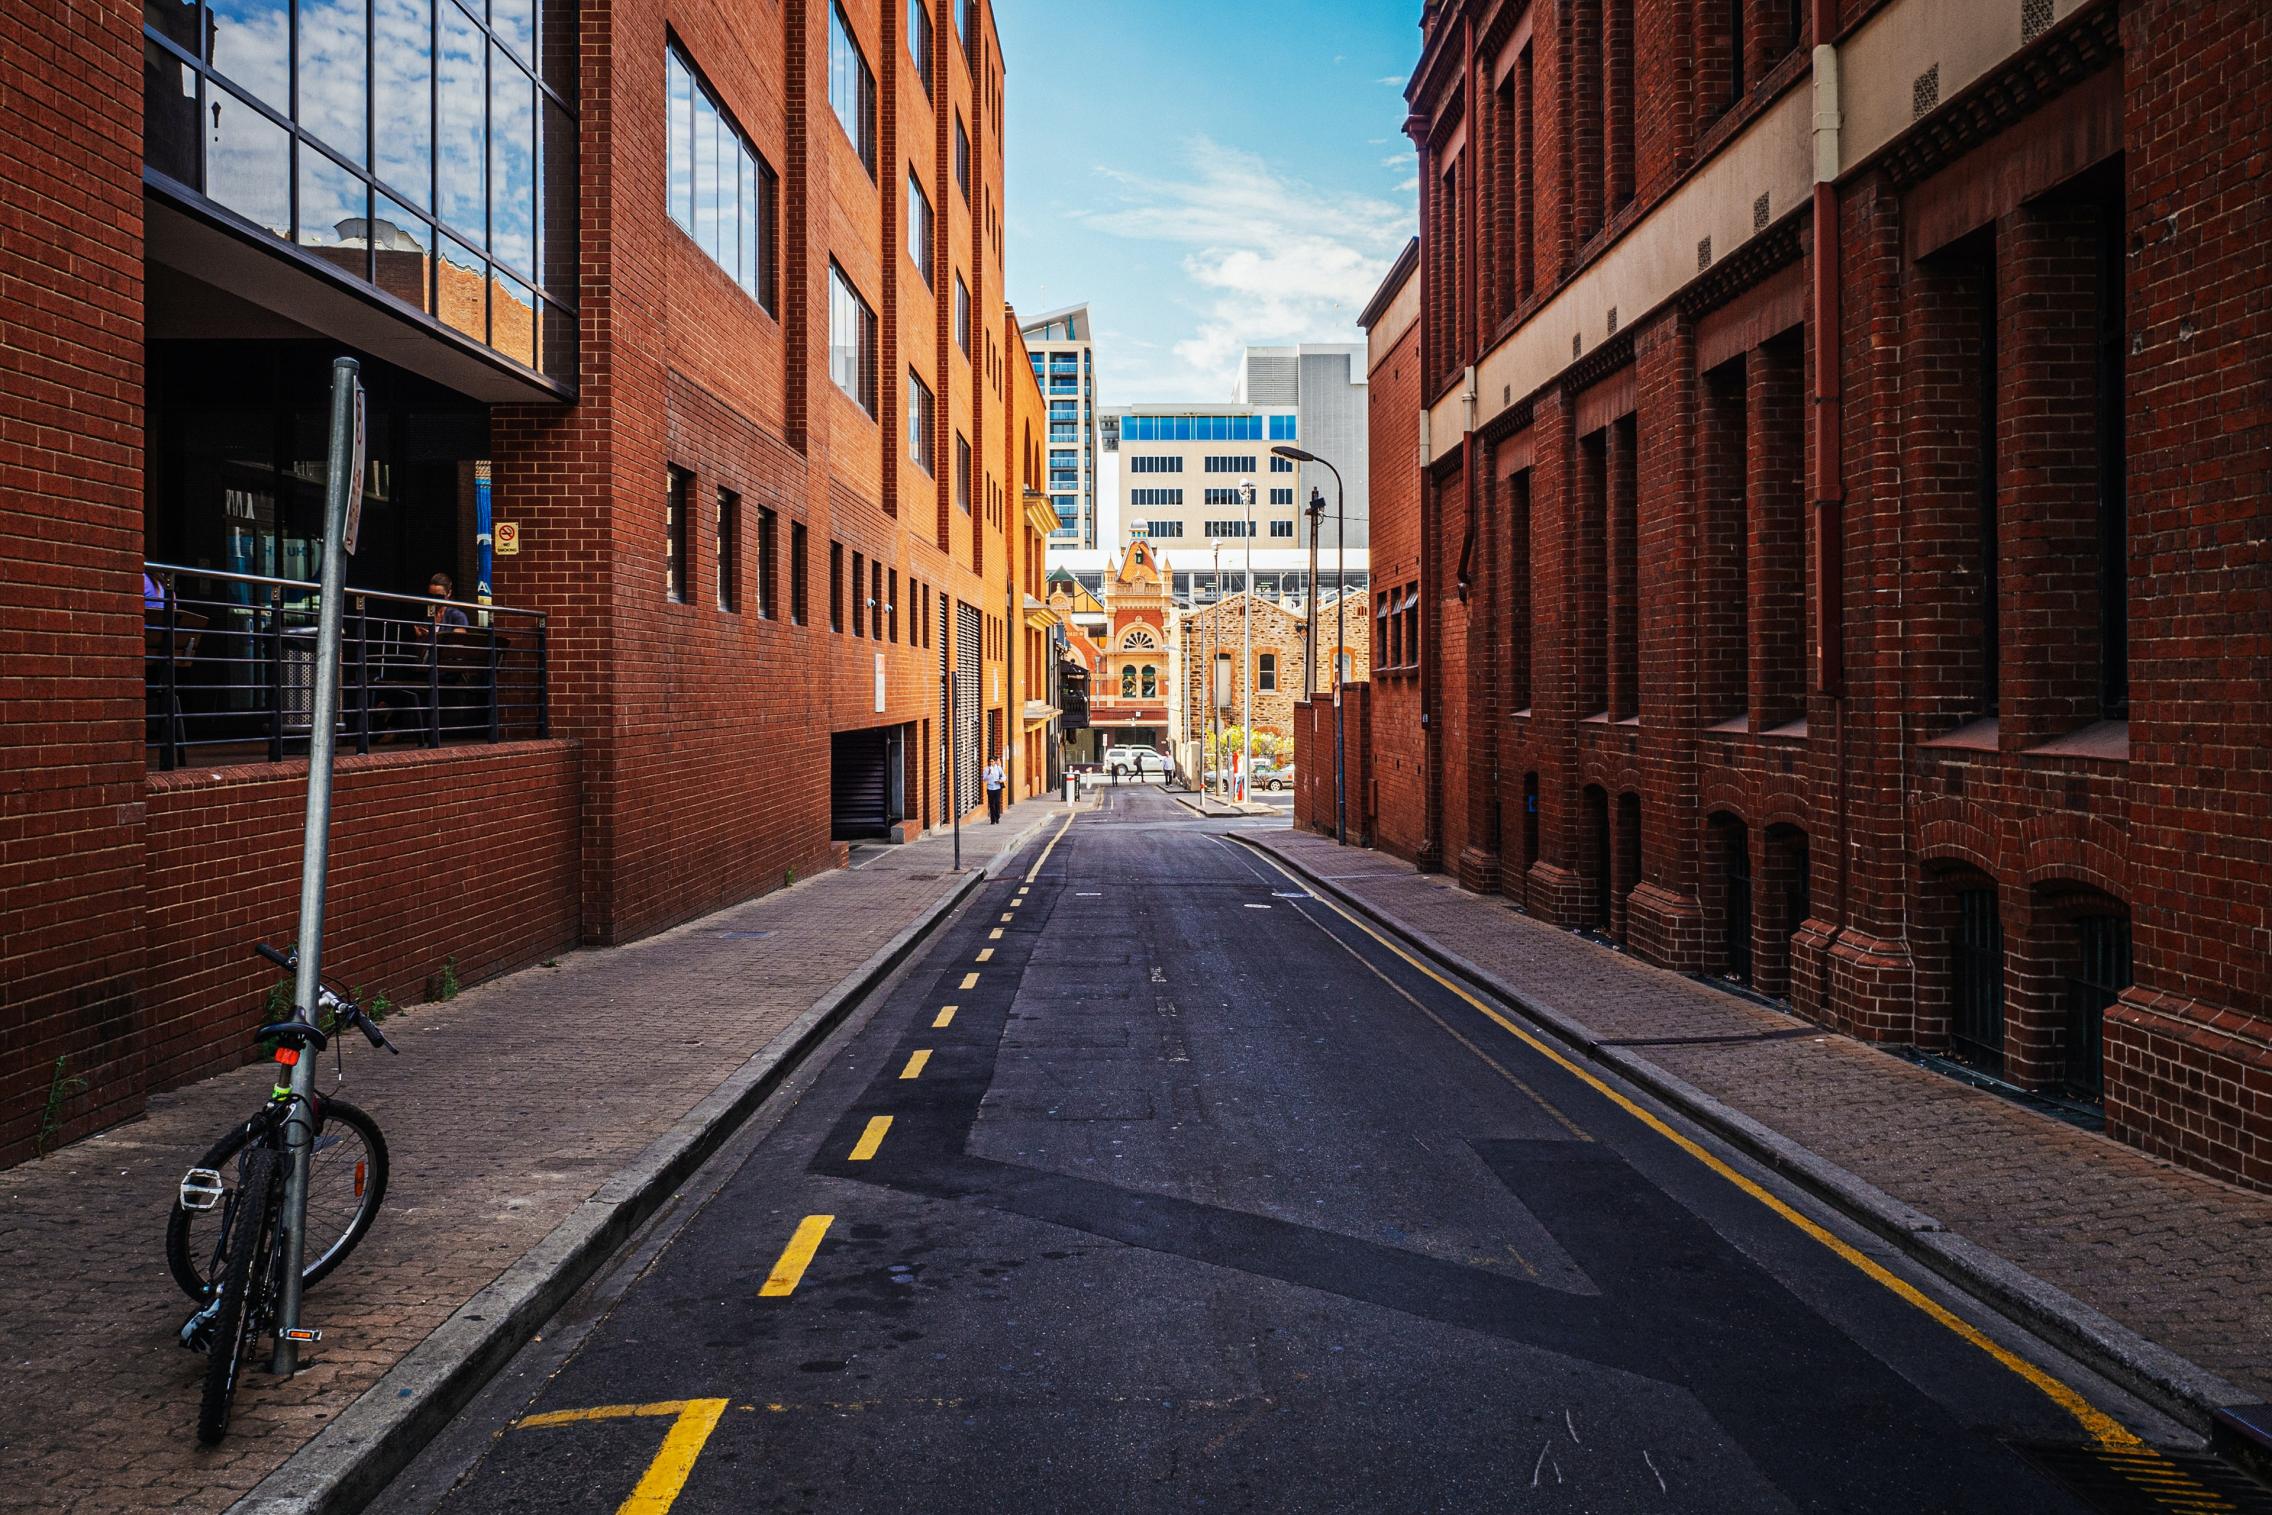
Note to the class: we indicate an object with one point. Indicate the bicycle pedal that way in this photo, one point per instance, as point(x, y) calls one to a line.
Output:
point(197, 1331)
point(201, 1189)
point(301, 1334)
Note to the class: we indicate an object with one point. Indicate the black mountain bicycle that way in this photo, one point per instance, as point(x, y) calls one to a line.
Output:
point(224, 1240)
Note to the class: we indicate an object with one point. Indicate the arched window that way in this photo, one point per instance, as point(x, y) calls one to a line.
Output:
point(1128, 681)
point(1151, 681)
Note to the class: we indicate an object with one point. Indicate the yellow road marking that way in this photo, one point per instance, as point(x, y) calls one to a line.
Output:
point(871, 1138)
point(944, 1018)
point(984, 953)
point(996, 934)
point(658, 1488)
point(915, 1062)
point(2102, 1427)
point(1009, 913)
point(796, 1256)
point(1035, 871)
point(970, 981)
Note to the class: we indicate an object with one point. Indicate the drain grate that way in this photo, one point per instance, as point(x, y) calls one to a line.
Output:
point(2149, 1480)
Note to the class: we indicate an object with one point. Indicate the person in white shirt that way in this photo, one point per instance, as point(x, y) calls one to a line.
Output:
point(994, 783)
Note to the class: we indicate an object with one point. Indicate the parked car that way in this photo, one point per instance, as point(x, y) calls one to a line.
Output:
point(1271, 776)
point(1136, 762)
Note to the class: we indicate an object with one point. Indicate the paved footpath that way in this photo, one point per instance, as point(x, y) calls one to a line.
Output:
point(2182, 1260)
point(510, 1107)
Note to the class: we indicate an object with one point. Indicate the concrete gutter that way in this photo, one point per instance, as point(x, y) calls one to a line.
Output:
point(353, 1458)
point(2175, 1385)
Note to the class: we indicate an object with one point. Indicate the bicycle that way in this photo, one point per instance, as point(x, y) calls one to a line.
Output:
point(224, 1240)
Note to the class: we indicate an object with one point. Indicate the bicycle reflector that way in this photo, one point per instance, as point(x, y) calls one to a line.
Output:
point(362, 1174)
point(287, 1055)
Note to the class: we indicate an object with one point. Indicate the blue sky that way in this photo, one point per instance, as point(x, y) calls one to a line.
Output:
point(1205, 175)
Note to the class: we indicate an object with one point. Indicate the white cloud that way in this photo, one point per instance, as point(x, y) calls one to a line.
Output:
point(1270, 258)
point(1393, 81)
point(1410, 184)
point(1397, 160)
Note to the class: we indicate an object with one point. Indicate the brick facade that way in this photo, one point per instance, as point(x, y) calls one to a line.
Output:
point(689, 758)
point(1929, 699)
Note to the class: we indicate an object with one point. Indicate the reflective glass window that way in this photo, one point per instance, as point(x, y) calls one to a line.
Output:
point(918, 226)
point(851, 341)
point(248, 162)
point(332, 86)
point(722, 193)
point(851, 87)
point(335, 209)
point(919, 39)
point(402, 97)
point(461, 190)
point(251, 42)
point(512, 162)
point(679, 82)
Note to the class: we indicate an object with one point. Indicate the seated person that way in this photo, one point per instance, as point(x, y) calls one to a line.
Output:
point(441, 586)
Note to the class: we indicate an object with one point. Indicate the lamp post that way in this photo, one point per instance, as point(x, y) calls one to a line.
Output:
point(1316, 513)
point(1340, 612)
point(1246, 649)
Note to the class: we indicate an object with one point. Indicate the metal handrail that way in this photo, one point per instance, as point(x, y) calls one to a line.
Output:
point(229, 661)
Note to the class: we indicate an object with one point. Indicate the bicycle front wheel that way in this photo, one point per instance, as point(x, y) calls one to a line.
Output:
point(246, 1271)
point(347, 1181)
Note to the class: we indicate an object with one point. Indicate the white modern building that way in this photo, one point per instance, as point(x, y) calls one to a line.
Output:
point(1323, 383)
point(1064, 362)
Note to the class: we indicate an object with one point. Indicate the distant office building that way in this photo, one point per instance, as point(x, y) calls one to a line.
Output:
point(1065, 364)
point(1323, 383)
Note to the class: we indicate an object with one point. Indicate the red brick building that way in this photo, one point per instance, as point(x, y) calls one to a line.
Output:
point(686, 355)
point(1840, 541)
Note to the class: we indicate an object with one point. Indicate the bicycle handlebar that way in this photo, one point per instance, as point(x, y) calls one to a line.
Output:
point(284, 960)
point(338, 1003)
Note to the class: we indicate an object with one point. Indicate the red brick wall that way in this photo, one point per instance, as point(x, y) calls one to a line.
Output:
point(1393, 449)
point(70, 550)
point(464, 855)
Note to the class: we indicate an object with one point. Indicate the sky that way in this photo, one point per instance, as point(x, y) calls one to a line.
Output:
point(1205, 175)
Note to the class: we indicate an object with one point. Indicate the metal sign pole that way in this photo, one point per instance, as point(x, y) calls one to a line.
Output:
point(954, 756)
point(342, 488)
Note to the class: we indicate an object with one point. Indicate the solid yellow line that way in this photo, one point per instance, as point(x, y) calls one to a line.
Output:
point(2103, 1428)
point(970, 981)
point(915, 1062)
point(944, 1018)
point(666, 1475)
point(996, 934)
point(598, 1412)
point(984, 953)
point(871, 1138)
point(1035, 871)
point(796, 1256)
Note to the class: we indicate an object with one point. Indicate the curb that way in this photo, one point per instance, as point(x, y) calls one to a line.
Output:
point(2175, 1385)
point(352, 1459)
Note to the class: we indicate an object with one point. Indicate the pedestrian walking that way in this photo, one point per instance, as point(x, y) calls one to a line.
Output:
point(994, 782)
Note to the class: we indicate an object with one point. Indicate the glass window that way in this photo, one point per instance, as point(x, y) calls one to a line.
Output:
point(1266, 672)
point(918, 226)
point(675, 506)
point(962, 315)
point(512, 162)
point(1281, 465)
point(1282, 528)
point(332, 75)
point(962, 158)
point(402, 96)
point(1281, 497)
point(922, 422)
point(851, 341)
point(461, 191)
point(722, 193)
point(919, 39)
point(726, 551)
point(251, 47)
point(514, 22)
point(962, 473)
point(334, 211)
point(461, 289)
point(851, 87)
point(248, 162)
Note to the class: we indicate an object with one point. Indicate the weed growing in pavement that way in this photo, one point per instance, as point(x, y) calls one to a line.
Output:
point(61, 1087)
point(449, 988)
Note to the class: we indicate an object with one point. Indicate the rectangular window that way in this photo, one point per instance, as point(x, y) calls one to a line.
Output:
point(1139, 464)
point(859, 583)
point(726, 541)
point(851, 87)
point(1224, 497)
point(1164, 528)
point(919, 39)
point(1590, 579)
point(891, 603)
point(962, 159)
point(851, 341)
point(1518, 590)
point(768, 562)
point(962, 473)
point(674, 534)
point(1230, 528)
point(962, 315)
point(1281, 497)
point(876, 600)
point(723, 193)
point(836, 586)
point(1726, 598)
point(1266, 672)
point(1155, 497)
point(1232, 463)
point(1281, 465)
point(922, 424)
point(919, 227)
point(797, 551)
point(1282, 529)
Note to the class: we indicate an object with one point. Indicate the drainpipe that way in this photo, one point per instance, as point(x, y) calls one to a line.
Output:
point(1829, 483)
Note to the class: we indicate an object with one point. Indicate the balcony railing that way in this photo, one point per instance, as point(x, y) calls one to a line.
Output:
point(229, 662)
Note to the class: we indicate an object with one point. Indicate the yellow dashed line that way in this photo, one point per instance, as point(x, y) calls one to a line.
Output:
point(871, 1138)
point(1007, 915)
point(985, 953)
point(996, 934)
point(915, 1062)
point(969, 981)
point(796, 1256)
point(945, 1017)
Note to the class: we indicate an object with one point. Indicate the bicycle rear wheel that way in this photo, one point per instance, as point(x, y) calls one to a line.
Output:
point(347, 1181)
point(246, 1273)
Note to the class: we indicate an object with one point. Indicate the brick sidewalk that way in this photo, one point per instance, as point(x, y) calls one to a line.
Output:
point(510, 1106)
point(2183, 1260)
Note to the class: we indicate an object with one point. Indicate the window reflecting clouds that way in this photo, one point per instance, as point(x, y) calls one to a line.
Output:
point(721, 191)
point(425, 110)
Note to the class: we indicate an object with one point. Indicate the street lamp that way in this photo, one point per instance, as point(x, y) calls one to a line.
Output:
point(1340, 637)
point(1246, 648)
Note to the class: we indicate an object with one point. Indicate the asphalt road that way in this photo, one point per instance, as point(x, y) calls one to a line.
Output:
point(1201, 1197)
